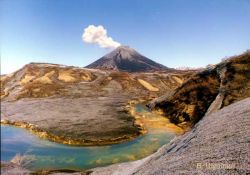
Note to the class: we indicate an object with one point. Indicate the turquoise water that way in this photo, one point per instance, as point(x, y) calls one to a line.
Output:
point(40, 154)
point(43, 154)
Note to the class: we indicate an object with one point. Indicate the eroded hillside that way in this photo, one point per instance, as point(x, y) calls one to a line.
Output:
point(44, 80)
point(207, 91)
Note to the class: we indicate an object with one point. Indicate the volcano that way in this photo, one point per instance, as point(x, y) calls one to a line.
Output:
point(127, 59)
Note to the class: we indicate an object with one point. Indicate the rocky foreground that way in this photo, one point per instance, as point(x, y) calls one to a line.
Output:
point(218, 144)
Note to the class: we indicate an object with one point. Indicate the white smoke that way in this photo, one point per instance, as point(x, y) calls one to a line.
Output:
point(98, 35)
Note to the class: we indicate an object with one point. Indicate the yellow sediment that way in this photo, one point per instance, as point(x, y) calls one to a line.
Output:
point(26, 79)
point(131, 157)
point(98, 161)
point(66, 76)
point(115, 160)
point(46, 78)
point(36, 90)
point(153, 120)
point(177, 79)
point(147, 85)
point(86, 77)
point(109, 78)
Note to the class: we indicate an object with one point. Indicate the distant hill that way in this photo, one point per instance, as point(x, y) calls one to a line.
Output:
point(127, 59)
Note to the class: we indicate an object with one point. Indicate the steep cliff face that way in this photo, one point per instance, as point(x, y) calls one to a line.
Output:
point(222, 84)
point(235, 78)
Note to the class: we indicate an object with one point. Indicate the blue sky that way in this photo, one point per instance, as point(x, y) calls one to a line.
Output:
point(172, 32)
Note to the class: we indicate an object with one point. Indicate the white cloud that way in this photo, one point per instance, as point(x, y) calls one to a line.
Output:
point(98, 35)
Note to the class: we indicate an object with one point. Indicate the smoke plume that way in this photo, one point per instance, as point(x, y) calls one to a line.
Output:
point(98, 35)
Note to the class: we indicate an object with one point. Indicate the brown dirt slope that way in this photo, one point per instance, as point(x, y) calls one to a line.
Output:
point(227, 82)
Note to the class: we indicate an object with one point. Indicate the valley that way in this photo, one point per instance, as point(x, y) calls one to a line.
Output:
point(81, 106)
